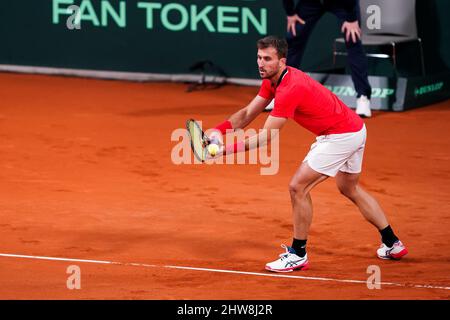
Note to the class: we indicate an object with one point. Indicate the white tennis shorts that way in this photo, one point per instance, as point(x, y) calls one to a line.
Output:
point(338, 152)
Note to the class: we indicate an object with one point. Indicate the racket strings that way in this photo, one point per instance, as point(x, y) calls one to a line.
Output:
point(199, 141)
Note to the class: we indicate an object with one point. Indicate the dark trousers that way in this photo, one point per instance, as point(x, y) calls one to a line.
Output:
point(311, 12)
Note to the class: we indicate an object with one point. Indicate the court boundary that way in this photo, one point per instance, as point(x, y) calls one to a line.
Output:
point(273, 275)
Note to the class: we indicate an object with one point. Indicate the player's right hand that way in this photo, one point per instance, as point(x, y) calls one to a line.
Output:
point(291, 23)
point(215, 137)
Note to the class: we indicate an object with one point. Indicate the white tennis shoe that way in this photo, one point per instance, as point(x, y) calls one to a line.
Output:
point(396, 252)
point(288, 262)
point(363, 107)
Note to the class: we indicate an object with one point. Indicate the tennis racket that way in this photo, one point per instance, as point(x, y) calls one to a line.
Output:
point(199, 140)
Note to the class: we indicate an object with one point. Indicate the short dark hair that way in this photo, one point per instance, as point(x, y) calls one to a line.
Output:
point(276, 42)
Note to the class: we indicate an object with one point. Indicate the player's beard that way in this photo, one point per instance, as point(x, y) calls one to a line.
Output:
point(268, 75)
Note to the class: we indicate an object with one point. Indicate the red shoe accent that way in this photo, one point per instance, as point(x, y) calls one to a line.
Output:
point(302, 267)
point(397, 256)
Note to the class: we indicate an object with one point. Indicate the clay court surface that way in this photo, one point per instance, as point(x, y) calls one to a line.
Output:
point(86, 173)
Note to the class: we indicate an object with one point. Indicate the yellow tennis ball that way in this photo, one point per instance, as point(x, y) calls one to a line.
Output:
point(213, 149)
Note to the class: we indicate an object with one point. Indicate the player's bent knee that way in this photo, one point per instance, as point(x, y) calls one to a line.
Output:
point(296, 189)
point(292, 189)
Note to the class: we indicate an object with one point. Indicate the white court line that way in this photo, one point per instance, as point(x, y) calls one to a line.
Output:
point(76, 260)
point(310, 278)
point(276, 275)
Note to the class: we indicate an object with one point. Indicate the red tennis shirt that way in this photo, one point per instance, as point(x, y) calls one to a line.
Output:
point(310, 104)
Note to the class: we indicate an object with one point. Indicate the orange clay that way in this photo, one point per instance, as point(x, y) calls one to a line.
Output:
point(85, 172)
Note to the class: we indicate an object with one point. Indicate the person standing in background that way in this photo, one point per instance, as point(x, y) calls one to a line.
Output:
point(301, 19)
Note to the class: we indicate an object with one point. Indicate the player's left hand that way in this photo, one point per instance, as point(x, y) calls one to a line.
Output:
point(351, 29)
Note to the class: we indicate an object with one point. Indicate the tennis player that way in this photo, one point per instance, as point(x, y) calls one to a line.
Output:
point(337, 151)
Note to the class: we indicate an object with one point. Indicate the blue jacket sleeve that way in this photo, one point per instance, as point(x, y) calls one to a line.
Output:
point(350, 7)
point(289, 7)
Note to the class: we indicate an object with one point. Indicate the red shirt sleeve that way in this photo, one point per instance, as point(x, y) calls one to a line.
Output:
point(266, 91)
